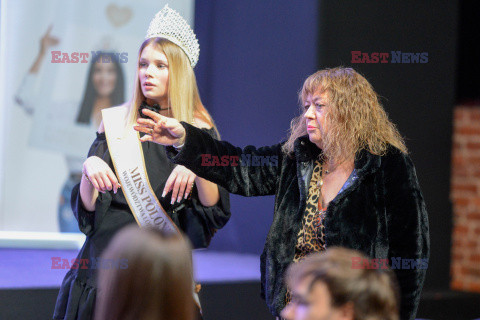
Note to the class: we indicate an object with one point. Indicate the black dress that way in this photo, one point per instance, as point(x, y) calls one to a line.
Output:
point(76, 299)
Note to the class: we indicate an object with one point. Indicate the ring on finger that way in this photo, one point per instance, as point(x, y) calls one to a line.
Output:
point(151, 131)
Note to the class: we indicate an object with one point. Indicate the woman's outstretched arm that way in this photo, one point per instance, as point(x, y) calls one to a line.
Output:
point(248, 171)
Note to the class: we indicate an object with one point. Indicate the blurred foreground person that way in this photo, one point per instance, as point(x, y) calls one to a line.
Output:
point(334, 286)
point(149, 277)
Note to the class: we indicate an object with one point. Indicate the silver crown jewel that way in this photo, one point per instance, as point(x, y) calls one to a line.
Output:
point(170, 25)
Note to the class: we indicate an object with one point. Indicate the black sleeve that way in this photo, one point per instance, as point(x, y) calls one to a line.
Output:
point(248, 172)
point(86, 219)
point(200, 222)
point(408, 230)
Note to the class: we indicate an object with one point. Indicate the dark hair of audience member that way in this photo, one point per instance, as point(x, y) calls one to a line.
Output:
point(151, 277)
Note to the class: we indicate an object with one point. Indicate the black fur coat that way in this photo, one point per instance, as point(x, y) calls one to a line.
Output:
point(382, 214)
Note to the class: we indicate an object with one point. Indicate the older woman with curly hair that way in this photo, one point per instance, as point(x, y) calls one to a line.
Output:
point(343, 178)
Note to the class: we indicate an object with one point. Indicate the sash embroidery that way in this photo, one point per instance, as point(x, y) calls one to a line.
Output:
point(127, 156)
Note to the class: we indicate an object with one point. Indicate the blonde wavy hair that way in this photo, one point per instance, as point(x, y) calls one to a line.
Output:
point(183, 97)
point(355, 118)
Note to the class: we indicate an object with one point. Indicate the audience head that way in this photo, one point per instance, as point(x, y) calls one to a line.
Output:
point(150, 277)
point(324, 286)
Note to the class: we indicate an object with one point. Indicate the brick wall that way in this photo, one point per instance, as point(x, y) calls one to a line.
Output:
point(465, 195)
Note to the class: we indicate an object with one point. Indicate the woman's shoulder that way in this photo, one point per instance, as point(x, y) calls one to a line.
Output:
point(123, 109)
point(101, 129)
point(202, 124)
point(392, 152)
point(396, 159)
point(207, 127)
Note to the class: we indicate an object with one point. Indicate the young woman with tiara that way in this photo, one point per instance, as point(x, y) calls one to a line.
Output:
point(125, 181)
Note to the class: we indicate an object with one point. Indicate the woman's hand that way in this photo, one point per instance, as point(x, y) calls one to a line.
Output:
point(181, 182)
point(159, 129)
point(100, 175)
point(48, 41)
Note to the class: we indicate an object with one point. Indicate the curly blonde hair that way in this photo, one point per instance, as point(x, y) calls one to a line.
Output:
point(356, 119)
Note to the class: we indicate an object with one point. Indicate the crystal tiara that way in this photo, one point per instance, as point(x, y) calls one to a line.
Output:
point(170, 25)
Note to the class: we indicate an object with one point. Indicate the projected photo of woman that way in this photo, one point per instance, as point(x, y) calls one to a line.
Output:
point(105, 86)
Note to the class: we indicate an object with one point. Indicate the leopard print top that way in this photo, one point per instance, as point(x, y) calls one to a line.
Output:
point(311, 238)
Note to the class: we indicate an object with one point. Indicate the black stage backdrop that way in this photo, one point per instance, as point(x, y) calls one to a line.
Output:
point(419, 97)
point(256, 54)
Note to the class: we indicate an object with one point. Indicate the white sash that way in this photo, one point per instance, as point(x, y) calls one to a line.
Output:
point(127, 156)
